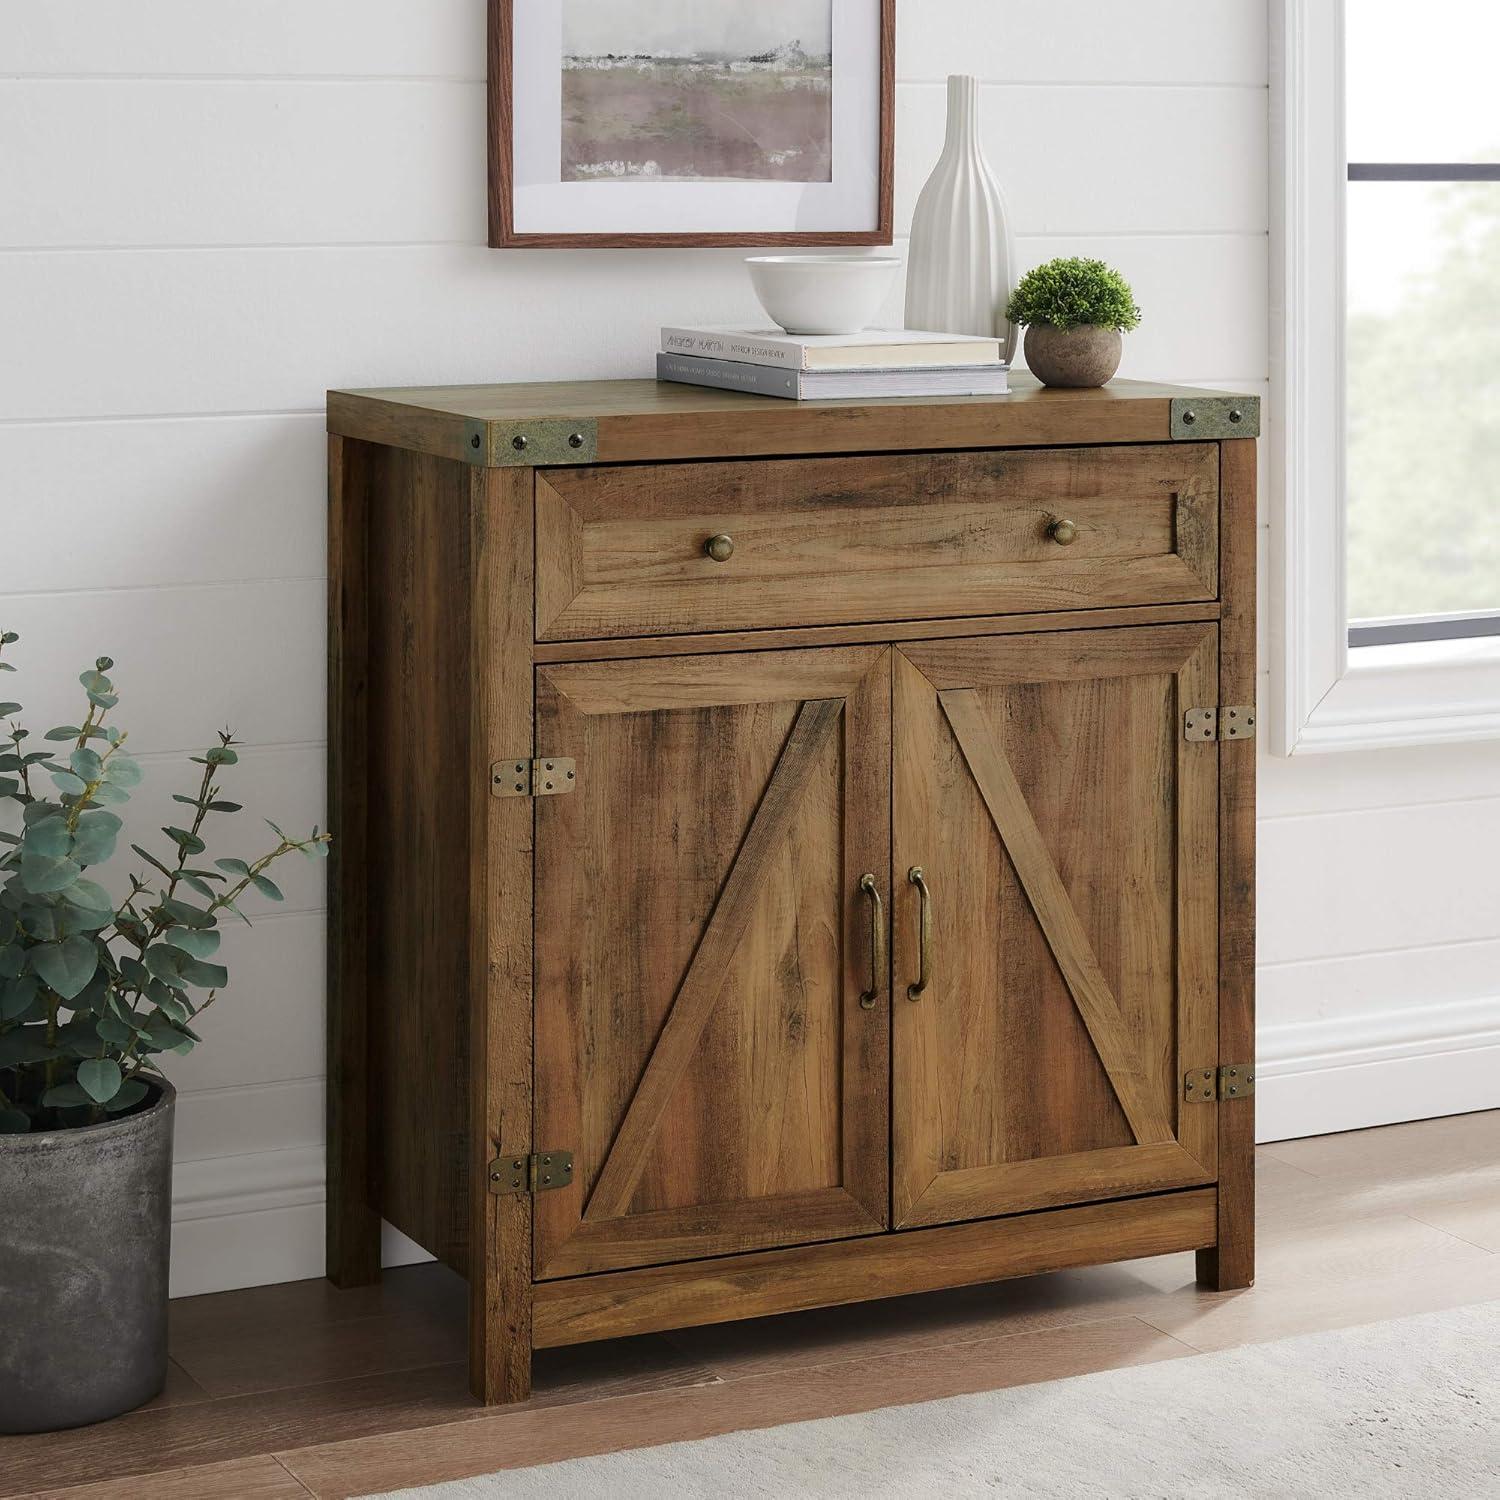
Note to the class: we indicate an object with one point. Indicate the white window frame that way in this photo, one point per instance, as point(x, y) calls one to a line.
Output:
point(1325, 696)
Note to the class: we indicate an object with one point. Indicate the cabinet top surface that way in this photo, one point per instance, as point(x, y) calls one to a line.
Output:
point(569, 422)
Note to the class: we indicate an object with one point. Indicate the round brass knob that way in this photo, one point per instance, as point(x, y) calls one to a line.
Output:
point(1063, 532)
point(720, 548)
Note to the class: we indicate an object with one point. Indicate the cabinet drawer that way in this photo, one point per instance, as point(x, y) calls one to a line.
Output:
point(622, 551)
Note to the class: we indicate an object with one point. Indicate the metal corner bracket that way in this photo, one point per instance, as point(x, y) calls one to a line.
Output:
point(546, 442)
point(1208, 418)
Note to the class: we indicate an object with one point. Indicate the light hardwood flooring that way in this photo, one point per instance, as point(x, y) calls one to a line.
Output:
point(299, 1389)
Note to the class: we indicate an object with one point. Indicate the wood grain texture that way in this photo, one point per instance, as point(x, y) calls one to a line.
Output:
point(1041, 656)
point(696, 682)
point(771, 824)
point(503, 234)
point(772, 639)
point(394, 1402)
point(260, 1478)
point(621, 551)
point(775, 1281)
point(1231, 1264)
point(352, 1238)
point(1037, 777)
point(1052, 1181)
point(700, 1044)
point(499, 1081)
point(421, 609)
point(661, 971)
point(1197, 784)
point(1118, 1050)
point(648, 421)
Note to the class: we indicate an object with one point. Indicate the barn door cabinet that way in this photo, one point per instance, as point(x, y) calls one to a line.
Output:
point(787, 854)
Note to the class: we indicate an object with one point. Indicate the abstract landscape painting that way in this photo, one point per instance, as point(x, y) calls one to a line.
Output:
point(697, 90)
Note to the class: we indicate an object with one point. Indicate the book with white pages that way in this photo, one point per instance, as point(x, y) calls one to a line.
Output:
point(834, 385)
point(872, 349)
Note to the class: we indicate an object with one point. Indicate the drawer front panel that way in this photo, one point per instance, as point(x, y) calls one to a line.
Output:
point(623, 551)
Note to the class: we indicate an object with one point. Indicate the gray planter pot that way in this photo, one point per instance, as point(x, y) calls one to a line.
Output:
point(85, 1237)
point(1084, 356)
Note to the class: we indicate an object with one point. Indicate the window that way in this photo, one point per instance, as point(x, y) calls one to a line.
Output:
point(1422, 330)
point(1382, 453)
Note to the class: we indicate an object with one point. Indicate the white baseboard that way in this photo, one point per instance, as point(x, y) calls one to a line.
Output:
point(254, 1217)
point(1319, 1077)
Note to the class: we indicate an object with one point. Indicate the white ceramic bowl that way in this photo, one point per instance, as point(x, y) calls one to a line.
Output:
point(822, 293)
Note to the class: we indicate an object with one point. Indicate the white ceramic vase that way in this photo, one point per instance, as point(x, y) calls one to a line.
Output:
point(962, 259)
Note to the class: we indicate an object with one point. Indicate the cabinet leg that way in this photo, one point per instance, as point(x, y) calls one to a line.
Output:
point(352, 1243)
point(1230, 1265)
point(352, 1251)
point(1226, 1268)
point(500, 1303)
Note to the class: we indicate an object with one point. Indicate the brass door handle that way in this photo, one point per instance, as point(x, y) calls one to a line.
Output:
point(1063, 532)
point(924, 935)
point(720, 547)
point(877, 942)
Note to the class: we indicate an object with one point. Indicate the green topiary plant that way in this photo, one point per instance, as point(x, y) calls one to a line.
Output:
point(91, 989)
point(1074, 293)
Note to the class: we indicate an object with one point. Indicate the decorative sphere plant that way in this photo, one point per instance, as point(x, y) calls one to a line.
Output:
point(1075, 311)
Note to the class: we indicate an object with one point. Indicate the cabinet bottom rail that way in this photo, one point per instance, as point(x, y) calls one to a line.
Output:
point(615, 1304)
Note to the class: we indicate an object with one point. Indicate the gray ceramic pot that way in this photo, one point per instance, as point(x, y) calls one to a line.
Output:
point(85, 1234)
point(1075, 357)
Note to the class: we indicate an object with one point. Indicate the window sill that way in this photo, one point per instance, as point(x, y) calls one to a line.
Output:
point(1423, 693)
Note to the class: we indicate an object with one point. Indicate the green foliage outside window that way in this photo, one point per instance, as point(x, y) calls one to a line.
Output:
point(1423, 450)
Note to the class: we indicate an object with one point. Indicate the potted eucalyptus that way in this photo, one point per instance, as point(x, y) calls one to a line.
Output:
point(1074, 311)
point(95, 987)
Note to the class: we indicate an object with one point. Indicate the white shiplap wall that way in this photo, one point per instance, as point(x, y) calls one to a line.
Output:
point(209, 215)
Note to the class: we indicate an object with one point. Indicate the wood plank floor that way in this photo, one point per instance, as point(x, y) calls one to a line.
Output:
point(300, 1390)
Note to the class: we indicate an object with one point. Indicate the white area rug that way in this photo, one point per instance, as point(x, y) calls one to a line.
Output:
point(1408, 1408)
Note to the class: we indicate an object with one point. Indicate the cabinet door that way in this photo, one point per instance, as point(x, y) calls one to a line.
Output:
point(1067, 834)
point(702, 946)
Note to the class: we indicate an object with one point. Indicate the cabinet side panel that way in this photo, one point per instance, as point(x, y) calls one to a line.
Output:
point(418, 868)
point(1231, 1263)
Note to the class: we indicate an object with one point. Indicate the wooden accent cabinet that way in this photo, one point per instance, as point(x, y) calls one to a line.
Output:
point(787, 854)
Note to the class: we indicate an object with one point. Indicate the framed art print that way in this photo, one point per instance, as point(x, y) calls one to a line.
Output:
point(691, 122)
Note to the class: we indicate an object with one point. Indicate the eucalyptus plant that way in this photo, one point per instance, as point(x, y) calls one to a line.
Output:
point(93, 989)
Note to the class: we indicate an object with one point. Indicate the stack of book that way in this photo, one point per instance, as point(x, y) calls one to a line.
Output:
point(836, 366)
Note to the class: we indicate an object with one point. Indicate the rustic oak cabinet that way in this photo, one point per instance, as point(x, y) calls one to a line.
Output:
point(787, 854)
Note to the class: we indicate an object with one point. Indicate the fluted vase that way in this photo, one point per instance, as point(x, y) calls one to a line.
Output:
point(962, 260)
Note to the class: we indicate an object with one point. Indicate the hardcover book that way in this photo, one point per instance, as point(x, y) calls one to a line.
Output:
point(873, 349)
point(834, 385)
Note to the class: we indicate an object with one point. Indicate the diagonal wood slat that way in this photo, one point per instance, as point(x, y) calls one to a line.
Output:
point(700, 988)
point(1058, 918)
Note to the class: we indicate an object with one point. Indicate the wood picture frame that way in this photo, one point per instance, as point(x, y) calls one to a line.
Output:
point(503, 106)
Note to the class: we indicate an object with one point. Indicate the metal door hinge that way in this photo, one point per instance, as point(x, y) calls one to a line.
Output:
point(1232, 1081)
point(541, 1172)
point(550, 776)
point(1231, 722)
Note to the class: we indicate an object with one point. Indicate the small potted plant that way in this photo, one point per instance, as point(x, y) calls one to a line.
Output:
point(95, 987)
point(1074, 312)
